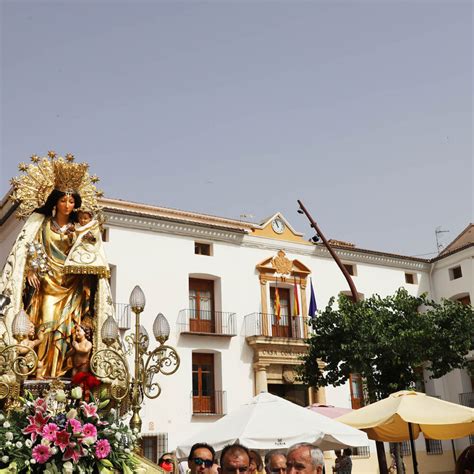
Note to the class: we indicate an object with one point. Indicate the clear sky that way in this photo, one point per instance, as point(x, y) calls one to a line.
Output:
point(363, 110)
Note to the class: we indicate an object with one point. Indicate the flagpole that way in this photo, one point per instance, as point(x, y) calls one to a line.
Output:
point(302, 210)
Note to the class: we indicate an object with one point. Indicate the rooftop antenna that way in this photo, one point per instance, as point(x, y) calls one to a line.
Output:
point(438, 232)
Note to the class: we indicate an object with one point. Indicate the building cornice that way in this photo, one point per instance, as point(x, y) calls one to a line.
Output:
point(350, 255)
point(139, 221)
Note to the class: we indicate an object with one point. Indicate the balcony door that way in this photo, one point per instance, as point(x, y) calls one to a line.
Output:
point(203, 383)
point(281, 326)
point(201, 305)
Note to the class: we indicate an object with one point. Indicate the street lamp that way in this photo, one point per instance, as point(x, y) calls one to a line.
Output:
point(163, 359)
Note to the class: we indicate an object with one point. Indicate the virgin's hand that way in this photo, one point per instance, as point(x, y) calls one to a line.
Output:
point(33, 280)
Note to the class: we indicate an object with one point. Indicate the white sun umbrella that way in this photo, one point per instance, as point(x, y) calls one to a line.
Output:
point(270, 422)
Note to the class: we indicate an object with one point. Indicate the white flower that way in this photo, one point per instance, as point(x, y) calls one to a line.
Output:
point(89, 441)
point(28, 443)
point(72, 413)
point(127, 450)
point(45, 442)
point(113, 426)
point(1, 417)
point(8, 435)
point(135, 430)
point(118, 436)
point(60, 395)
point(68, 467)
point(6, 424)
point(5, 459)
point(8, 444)
point(76, 393)
point(27, 463)
point(33, 461)
point(54, 450)
point(19, 444)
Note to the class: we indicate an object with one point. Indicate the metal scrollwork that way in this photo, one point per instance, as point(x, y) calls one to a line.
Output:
point(110, 366)
point(163, 359)
point(22, 360)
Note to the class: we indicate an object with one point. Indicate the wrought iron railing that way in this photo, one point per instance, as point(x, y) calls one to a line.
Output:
point(123, 315)
point(467, 399)
point(210, 403)
point(193, 321)
point(267, 324)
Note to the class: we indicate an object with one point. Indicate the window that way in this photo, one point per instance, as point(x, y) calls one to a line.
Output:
point(351, 269)
point(105, 234)
point(361, 451)
point(201, 305)
point(465, 300)
point(455, 273)
point(405, 449)
point(433, 446)
point(154, 446)
point(281, 325)
point(204, 400)
point(357, 396)
point(410, 278)
point(201, 248)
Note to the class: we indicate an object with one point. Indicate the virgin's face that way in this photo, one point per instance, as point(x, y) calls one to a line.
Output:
point(65, 205)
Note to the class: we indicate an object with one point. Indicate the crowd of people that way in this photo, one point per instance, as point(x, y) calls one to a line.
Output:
point(302, 458)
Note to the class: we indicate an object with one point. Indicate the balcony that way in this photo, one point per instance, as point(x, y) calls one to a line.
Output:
point(204, 322)
point(263, 324)
point(467, 399)
point(213, 403)
point(123, 315)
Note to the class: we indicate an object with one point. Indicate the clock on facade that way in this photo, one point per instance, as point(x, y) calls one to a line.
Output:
point(278, 226)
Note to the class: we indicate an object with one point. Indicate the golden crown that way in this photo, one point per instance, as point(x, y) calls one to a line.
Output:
point(45, 174)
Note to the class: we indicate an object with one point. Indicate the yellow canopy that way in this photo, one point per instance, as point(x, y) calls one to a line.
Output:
point(387, 420)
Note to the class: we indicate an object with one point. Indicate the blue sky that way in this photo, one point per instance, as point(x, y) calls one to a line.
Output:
point(363, 110)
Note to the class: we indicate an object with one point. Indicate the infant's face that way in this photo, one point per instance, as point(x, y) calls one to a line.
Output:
point(84, 218)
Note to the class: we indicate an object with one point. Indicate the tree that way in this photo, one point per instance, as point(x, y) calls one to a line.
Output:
point(387, 341)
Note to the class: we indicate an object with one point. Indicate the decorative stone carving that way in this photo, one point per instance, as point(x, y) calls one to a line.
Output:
point(282, 263)
point(289, 375)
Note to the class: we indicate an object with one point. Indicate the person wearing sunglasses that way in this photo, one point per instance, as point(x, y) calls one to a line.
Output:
point(201, 458)
point(166, 462)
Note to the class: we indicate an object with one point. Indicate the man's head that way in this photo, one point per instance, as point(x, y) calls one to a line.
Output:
point(275, 462)
point(235, 459)
point(201, 458)
point(304, 458)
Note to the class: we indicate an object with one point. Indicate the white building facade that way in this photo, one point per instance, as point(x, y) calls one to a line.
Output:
point(216, 281)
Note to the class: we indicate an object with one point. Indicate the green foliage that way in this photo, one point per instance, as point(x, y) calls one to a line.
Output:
point(387, 341)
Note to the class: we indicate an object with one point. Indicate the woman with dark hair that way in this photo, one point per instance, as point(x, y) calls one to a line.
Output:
point(51, 272)
point(465, 461)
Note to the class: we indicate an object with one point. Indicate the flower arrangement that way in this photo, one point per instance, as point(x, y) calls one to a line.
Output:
point(65, 435)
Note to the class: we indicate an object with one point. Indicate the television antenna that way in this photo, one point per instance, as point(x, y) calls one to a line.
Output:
point(438, 232)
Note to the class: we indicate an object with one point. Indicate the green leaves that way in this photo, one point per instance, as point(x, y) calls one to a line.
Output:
point(387, 340)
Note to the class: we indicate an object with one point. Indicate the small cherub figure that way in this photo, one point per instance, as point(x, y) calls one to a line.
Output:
point(81, 349)
point(30, 343)
point(85, 218)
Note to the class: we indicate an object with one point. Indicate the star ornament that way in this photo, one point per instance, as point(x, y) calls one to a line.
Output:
point(35, 158)
point(70, 157)
point(52, 154)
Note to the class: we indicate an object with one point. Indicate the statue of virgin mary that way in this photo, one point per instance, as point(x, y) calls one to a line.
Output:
point(57, 271)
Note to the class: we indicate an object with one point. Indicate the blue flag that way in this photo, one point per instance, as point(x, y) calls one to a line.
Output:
point(312, 301)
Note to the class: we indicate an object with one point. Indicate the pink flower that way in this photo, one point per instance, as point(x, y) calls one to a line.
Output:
point(49, 431)
point(35, 427)
point(102, 449)
point(41, 453)
point(75, 425)
point(89, 409)
point(74, 452)
point(40, 405)
point(89, 430)
point(62, 439)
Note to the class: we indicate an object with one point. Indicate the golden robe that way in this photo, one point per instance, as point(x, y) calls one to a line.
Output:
point(76, 289)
